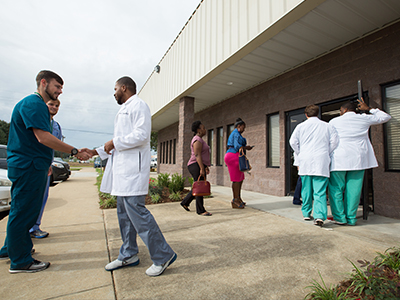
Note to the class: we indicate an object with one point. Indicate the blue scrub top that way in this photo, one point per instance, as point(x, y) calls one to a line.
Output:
point(235, 141)
point(56, 129)
point(23, 148)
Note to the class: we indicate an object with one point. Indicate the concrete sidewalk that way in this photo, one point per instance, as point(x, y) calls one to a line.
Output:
point(265, 251)
point(76, 247)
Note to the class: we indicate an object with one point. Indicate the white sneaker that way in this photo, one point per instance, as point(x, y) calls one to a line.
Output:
point(158, 270)
point(338, 223)
point(118, 264)
point(319, 222)
point(307, 218)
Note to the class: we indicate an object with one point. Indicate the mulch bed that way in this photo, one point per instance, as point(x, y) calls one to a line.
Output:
point(165, 197)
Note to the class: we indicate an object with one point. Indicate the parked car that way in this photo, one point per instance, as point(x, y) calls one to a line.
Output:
point(5, 187)
point(3, 156)
point(61, 170)
point(153, 163)
point(98, 163)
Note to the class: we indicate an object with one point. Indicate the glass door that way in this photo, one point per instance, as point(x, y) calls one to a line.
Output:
point(293, 118)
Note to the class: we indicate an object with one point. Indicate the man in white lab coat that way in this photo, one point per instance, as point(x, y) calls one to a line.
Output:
point(313, 142)
point(127, 176)
point(349, 160)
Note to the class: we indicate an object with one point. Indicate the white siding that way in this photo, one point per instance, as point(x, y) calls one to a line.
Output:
point(217, 30)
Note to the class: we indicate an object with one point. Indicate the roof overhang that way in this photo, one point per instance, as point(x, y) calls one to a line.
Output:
point(296, 39)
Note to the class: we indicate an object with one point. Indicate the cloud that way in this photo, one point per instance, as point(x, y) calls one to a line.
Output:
point(90, 44)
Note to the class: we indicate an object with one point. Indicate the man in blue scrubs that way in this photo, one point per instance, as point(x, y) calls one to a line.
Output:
point(30, 154)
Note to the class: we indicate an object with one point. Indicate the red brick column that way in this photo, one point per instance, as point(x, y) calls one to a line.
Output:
point(185, 135)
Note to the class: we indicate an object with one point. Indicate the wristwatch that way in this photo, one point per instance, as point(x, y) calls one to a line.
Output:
point(74, 152)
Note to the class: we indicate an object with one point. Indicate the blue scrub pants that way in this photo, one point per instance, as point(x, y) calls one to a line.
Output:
point(344, 195)
point(27, 190)
point(314, 188)
point(45, 197)
point(297, 192)
point(135, 219)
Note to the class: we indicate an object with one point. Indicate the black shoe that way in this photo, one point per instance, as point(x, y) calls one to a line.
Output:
point(185, 207)
point(5, 256)
point(34, 266)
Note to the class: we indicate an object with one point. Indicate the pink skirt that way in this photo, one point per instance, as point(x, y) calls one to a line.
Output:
point(232, 161)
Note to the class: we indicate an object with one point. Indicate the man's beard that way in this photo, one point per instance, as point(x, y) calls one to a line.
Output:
point(50, 96)
point(119, 100)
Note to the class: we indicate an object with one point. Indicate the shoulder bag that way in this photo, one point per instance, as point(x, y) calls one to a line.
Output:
point(244, 164)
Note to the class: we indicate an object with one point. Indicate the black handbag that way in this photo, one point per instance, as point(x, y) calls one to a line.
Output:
point(244, 164)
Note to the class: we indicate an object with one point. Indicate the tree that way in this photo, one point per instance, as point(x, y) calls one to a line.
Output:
point(4, 130)
point(154, 141)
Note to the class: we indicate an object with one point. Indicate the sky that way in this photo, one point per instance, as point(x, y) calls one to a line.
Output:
point(90, 44)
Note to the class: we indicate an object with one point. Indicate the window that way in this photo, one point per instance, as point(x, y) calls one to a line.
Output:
point(220, 146)
point(229, 130)
point(273, 139)
point(170, 151)
point(210, 141)
point(166, 154)
point(391, 100)
point(163, 153)
point(174, 156)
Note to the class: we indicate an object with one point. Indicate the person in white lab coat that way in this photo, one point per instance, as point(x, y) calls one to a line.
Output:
point(313, 142)
point(127, 176)
point(349, 160)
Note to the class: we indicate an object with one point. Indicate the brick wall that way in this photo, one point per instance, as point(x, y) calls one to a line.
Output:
point(374, 59)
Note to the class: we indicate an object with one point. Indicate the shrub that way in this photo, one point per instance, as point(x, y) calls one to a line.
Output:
point(155, 198)
point(322, 292)
point(374, 281)
point(155, 189)
point(163, 179)
point(175, 196)
point(105, 200)
point(177, 183)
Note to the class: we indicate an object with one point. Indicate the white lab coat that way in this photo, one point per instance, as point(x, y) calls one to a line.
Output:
point(355, 151)
point(128, 167)
point(313, 142)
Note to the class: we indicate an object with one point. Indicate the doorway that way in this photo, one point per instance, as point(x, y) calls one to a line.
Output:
point(327, 111)
point(293, 118)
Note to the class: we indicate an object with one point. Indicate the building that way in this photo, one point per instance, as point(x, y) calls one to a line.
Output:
point(265, 61)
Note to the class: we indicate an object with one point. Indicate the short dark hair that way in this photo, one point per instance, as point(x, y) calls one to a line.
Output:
point(128, 83)
point(48, 75)
point(195, 126)
point(312, 110)
point(239, 122)
point(350, 106)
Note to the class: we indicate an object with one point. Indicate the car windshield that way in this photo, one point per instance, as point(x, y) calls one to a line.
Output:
point(58, 159)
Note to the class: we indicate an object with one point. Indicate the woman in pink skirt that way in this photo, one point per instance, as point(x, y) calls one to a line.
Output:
point(235, 142)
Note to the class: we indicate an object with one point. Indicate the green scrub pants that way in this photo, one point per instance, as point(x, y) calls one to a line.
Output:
point(344, 208)
point(314, 187)
point(27, 190)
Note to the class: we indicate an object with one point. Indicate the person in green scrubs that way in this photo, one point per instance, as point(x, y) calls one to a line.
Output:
point(29, 156)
